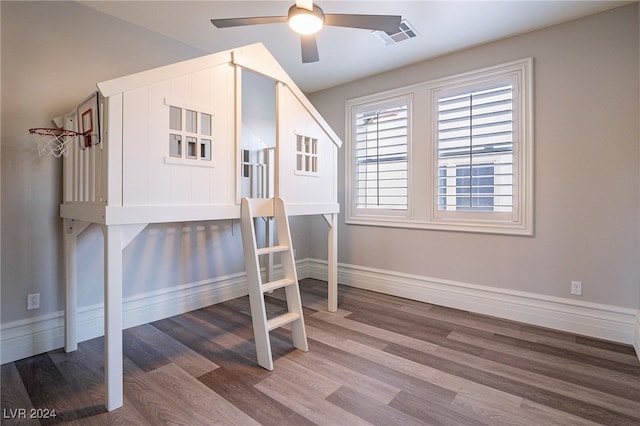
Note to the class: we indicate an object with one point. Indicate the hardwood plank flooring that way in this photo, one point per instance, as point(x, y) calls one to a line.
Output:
point(378, 360)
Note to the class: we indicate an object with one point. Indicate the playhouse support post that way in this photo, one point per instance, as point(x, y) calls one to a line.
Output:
point(332, 261)
point(71, 293)
point(113, 315)
point(72, 229)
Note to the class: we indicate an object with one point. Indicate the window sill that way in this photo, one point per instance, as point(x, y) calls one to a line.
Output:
point(494, 227)
point(189, 162)
point(301, 173)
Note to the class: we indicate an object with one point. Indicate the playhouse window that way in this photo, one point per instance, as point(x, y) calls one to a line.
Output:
point(205, 120)
point(194, 129)
point(205, 149)
point(306, 154)
point(191, 122)
point(246, 163)
point(175, 145)
point(192, 151)
point(175, 118)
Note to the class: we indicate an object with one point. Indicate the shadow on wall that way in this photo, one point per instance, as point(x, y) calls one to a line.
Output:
point(162, 256)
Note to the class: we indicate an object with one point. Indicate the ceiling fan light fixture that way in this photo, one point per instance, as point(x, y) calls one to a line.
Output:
point(304, 21)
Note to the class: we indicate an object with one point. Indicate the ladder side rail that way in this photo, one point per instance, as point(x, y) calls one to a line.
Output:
point(254, 284)
point(292, 292)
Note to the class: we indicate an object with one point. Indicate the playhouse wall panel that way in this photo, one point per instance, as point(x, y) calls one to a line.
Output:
point(135, 123)
point(182, 87)
point(202, 85)
point(297, 187)
point(159, 177)
point(114, 167)
point(222, 186)
point(201, 177)
point(151, 176)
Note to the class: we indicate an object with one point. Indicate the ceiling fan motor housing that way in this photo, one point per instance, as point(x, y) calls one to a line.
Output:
point(305, 21)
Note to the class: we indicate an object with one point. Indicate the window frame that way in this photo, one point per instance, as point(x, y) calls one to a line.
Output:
point(363, 215)
point(307, 161)
point(193, 131)
point(422, 185)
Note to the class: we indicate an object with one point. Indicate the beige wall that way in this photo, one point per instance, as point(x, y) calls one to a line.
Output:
point(586, 170)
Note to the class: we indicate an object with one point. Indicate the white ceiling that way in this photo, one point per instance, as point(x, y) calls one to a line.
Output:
point(349, 54)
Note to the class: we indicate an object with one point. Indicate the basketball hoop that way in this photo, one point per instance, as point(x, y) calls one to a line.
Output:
point(53, 142)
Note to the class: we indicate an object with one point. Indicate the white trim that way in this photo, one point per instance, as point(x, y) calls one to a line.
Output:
point(157, 75)
point(589, 319)
point(422, 212)
point(308, 174)
point(24, 338)
point(27, 337)
point(519, 74)
point(127, 215)
point(369, 215)
point(189, 162)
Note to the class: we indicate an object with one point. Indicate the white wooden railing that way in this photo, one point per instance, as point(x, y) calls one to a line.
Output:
point(85, 172)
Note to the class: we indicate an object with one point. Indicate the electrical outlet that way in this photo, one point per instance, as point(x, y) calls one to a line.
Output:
point(576, 288)
point(33, 301)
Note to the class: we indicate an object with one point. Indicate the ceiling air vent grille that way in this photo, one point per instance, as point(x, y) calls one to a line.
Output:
point(405, 32)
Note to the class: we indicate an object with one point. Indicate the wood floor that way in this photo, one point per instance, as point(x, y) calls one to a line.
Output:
point(379, 360)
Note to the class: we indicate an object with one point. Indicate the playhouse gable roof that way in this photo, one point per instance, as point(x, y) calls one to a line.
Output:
point(254, 57)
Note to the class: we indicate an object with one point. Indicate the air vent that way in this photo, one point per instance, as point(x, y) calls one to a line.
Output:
point(405, 32)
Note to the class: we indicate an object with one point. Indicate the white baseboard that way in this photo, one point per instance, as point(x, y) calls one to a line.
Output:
point(590, 319)
point(28, 337)
point(24, 338)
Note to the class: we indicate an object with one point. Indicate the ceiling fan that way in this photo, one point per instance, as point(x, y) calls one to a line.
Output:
point(307, 19)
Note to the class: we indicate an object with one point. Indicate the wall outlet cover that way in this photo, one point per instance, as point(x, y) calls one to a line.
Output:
point(33, 301)
point(576, 288)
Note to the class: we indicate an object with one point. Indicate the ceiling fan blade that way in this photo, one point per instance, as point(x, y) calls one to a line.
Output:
point(387, 23)
point(240, 22)
point(305, 4)
point(309, 48)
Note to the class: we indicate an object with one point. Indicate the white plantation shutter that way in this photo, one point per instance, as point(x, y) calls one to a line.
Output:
point(452, 154)
point(381, 166)
point(475, 150)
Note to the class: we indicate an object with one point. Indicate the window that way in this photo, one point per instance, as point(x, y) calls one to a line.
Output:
point(175, 145)
point(470, 165)
point(379, 157)
point(475, 144)
point(205, 149)
point(306, 155)
point(246, 163)
point(175, 118)
point(189, 135)
point(191, 147)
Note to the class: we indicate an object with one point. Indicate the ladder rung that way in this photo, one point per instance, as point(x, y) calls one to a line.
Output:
point(272, 249)
point(281, 320)
point(274, 285)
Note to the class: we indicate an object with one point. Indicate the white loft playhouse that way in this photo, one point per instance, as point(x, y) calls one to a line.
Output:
point(188, 142)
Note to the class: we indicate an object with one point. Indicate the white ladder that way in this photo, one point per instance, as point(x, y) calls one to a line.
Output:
point(271, 207)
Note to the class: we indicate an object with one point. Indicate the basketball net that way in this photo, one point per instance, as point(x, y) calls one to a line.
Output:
point(53, 142)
